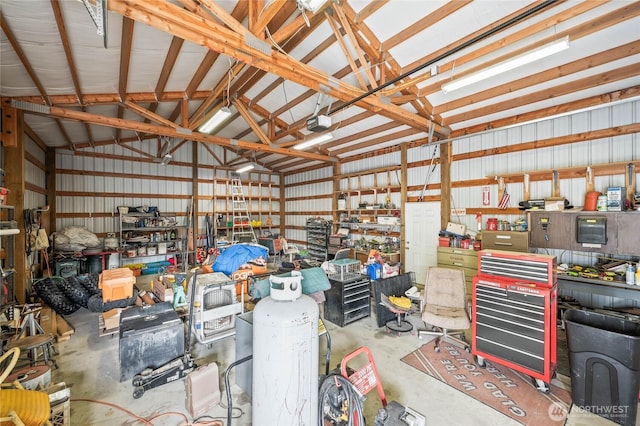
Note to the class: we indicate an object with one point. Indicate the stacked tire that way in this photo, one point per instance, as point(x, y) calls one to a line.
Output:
point(66, 295)
point(49, 290)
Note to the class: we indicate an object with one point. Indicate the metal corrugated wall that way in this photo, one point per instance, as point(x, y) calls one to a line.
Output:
point(35, 176)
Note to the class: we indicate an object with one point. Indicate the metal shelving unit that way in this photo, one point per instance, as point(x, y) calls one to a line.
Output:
point(318, 231)
point(149, 230)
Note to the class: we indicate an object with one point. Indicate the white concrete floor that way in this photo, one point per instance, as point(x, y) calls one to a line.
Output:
point(89, 364)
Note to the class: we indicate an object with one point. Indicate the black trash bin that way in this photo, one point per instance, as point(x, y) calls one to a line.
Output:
point(604, 355)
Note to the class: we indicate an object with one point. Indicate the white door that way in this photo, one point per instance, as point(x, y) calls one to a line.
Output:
point(422, 226)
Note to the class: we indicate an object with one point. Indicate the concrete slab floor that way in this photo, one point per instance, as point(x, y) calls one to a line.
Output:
point(89, 364)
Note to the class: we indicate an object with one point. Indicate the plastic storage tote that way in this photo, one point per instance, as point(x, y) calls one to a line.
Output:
point(604, 355)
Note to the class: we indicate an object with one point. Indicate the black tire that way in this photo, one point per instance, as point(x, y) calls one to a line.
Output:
point(95, 303)
point(48, 290)
point(74, 290)
point(90, 282)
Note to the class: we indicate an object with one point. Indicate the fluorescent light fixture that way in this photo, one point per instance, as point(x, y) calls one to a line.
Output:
point(502, 67)
point(216, 119)
point(311, 5)
point(314, 141)
point(245, 168)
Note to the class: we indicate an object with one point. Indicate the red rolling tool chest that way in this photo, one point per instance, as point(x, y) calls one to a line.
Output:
point(514, 313)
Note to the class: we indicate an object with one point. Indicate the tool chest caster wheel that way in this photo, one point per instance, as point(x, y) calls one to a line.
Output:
point(541, 386)
point(481, 362)
point(138, 391)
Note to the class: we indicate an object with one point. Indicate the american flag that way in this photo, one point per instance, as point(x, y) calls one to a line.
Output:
point(504, 201)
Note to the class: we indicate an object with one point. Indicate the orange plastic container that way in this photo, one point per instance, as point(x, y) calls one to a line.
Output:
point(116, 284)
point(591, 201)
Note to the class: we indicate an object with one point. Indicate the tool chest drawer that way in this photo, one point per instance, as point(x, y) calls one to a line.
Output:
point(347, 301)
point(505, 240)
point(458, 258)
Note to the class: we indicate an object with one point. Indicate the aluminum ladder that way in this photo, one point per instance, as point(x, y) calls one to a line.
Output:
point(242, 231)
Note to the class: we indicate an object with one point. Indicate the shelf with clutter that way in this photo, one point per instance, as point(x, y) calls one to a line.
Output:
point(149, 235)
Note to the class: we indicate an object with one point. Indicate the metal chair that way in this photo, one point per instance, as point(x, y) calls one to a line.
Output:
point(274, 251)
point(289, 250)
point(445, 306)
point(342, 254)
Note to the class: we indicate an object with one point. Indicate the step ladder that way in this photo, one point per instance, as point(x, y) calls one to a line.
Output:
point(242, 231)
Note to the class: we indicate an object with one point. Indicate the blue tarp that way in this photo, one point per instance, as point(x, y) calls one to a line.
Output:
point(235, 255)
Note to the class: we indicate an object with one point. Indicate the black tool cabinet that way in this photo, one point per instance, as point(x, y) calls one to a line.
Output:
point(348, 301)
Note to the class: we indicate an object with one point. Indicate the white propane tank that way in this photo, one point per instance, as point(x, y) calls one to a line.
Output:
point(285, 356)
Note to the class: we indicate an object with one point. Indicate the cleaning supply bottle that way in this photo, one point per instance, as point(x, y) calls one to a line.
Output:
point(638, 274)
point(631, 274)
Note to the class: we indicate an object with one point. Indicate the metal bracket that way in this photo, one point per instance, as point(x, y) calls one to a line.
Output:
point(99, 17)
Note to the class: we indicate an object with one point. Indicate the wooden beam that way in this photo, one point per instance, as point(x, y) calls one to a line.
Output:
point(11, 120)
point(244, 112)
point(126, 42)
point(174, 20)
point(605, 98)
point(552, 92)
point(148, 114)
point(368, 10)
point(14, 179)
point(136, 126)
point(23, 59)
point(424, 23)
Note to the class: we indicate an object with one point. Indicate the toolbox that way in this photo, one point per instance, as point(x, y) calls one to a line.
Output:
point(150, 336)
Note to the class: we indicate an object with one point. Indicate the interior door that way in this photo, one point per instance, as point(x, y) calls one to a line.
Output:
point(422, 226)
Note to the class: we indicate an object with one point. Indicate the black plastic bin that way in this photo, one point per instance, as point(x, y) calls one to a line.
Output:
point(604, 355)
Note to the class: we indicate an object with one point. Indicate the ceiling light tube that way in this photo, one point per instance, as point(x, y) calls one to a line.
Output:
point(215, 120)
point(314, 141)
point(245, 168)
point(502, 67)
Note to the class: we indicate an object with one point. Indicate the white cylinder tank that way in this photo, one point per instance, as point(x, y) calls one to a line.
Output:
point(285, 357)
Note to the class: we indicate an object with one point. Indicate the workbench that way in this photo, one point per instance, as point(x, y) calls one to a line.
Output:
point(588, 288)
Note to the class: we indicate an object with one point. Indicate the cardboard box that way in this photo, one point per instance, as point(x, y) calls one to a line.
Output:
point(163, 290)
point(111, 318)
point(552, 204)
point(456, 228)
point(388, 220)
point(616, 197)
point(162, 248)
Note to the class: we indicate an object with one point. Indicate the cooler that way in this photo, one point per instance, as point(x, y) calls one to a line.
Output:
point(150, 336)
point(116, 284)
